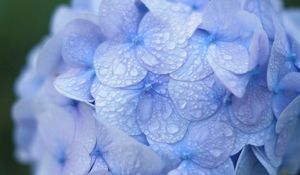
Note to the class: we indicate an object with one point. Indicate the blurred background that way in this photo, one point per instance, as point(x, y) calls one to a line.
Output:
point(22, 25)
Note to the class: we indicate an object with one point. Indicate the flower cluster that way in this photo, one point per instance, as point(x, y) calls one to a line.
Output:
point(163, 87)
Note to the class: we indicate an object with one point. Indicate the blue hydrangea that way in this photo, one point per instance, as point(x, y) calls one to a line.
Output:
point(163, 87)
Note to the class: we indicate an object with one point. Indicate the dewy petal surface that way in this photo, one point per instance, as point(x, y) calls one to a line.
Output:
point(196, 100)
point(132, 156)
point(117, 65)
point(159, 120)
point(252, 112)
point(119, 17)
point(196, 66)
point(117, 107)
point(166, 29)
point(190, 168)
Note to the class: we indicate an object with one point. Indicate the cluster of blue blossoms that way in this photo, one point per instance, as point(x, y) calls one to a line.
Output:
point(163, 87)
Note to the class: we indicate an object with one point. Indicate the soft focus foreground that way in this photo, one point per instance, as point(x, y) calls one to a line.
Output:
point(156, 87)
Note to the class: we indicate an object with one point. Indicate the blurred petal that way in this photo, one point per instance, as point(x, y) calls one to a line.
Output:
point(290, 82)
point(80, 40)
point(76, 84)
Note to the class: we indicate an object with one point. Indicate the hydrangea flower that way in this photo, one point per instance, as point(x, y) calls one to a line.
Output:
point(163, 87)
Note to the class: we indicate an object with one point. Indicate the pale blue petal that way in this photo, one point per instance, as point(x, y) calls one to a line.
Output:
point(253, 112)
point(60, 137)
point(231, 56)
point(76, 84)
point(117, 65)
point(196, 67)
point(209, 143)
point(190, 168)
point(234, 83)
point(279, 54)
point(86, 5)
point(196, 100)
point(125, 156)
point(119, 17)
point(159, 120)
point(117, 107)
point(80, 40)
point(292, 23)
point(165, 30)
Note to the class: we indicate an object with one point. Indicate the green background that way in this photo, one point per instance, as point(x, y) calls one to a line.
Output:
point(23, 23)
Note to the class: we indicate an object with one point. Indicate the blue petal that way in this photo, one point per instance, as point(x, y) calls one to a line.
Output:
point(76, 84)
point(158, 119)
point(281, 100)
point(209, 143)
point(253, 112)
point(291, 22)
point(117, 107)
point(196, 100)
point(248, 163)
point(231, 56)
point(165, 30)
point(119, 17)
point(196, 67)
point(56, 126)
point(190, 168)
point(279, 54)
point(80, 40)
point(125, 156)
point(218, 18)
point(290, 82)
point(117, 65)
point(261, 156)
point(234, 83)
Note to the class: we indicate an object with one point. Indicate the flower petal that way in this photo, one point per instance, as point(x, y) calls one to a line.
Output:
point(80, 40)
point(76, 84)
point(165, 30)
point(190, 168)
point(279, 54)
point(252, 112)
point(231, 56)
point(158, 119)
point(117, 107)
point(117, 65)
point(133, 157)
point(119, 17)
point(209, 142)
point(196, 67)
point(249, 164)
point(234, 83)
point(290, 82)
point(196, 100)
